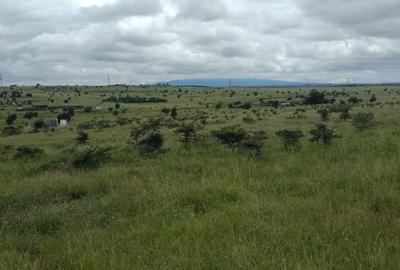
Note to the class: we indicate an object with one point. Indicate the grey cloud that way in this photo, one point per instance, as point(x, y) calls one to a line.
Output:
point(139, 41)
point(120, 10)
point(202, 10)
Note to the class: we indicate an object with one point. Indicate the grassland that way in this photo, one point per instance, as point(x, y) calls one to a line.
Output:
point(206, 205)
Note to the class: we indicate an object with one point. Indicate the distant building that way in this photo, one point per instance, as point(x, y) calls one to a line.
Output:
point(35, 108)
point(52, 123)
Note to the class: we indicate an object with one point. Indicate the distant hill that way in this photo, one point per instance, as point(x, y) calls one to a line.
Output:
point(234, 82)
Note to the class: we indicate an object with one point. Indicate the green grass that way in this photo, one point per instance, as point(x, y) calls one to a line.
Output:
point(206, 206)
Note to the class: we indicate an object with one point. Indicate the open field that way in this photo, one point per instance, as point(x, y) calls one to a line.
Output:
point(201, 204)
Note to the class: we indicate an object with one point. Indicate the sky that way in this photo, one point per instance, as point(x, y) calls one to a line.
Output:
point(145, 41)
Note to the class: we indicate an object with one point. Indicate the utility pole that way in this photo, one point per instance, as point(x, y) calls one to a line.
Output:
point(1, 79)
point(108, 80)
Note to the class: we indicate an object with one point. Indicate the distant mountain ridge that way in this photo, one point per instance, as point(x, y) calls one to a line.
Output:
point(232, 82)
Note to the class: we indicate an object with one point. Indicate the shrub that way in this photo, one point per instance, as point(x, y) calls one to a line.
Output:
point(64, 116)
point(290, 138)
point(236, 137)
point(231, 136)
point(91, 157)
point(150, 142)
point(363, 120)
point(30, 115)
point(129, 99)
point(174, 113)
point(354, 100)
point(322, 133)
point(86, 125)
point(373, 99)
point(11, 119)
point(146, 137)
point(324, 113)
point(240, 105)
point(87, 109)
point(46, 224)
point(12, 131)
point(82, 137)
point(39, 124)
point(187, 133)
point(27, 152)
point(315, 98)
point(165, 111)
point(254, 141)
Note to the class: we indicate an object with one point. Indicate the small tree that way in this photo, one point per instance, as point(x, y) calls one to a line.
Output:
point(290, 138)
point(363, 120)
point(82, 137)
point(322, 133)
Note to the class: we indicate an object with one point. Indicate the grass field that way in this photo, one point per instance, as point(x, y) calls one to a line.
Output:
point(203, 205)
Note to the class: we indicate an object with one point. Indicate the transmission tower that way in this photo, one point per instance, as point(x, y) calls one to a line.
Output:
point(1, 79)
point(108, 80)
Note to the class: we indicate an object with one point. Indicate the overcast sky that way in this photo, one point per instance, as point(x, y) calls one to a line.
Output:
point(136, 41)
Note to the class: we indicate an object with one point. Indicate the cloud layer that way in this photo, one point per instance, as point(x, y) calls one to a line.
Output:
point(136, 41)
